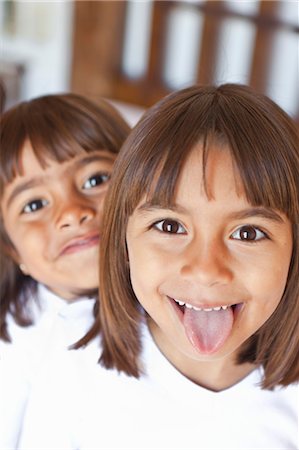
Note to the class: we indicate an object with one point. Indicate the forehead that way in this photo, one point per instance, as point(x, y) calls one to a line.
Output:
point(209, 167)
point(30, 164)
point(30, 159)
point(216, 173)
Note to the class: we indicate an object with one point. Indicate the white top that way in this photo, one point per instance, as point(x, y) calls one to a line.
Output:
point(57, 325)
point(86, 407)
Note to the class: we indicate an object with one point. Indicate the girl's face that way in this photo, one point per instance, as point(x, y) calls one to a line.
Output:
point(52, 216)
point(212, 269)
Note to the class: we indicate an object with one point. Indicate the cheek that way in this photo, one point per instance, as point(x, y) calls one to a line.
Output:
point(29, 244)
point(278, 283)
point(99, 208)
point(267, 284)
point(145, 268)
point(147, 260)
point(270, 266)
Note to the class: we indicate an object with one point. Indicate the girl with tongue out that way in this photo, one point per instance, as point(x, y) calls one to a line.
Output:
point(204, 208)
point(198, 286)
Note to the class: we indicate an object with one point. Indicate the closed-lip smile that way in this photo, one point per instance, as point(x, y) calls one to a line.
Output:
point(81, 243)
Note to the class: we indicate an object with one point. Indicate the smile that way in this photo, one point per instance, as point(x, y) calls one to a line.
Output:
point(197, 308)
point(234, 306)
point(207, 327)
point(80, 244)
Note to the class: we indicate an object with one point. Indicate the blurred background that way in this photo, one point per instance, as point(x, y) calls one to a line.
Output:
point(135, 52)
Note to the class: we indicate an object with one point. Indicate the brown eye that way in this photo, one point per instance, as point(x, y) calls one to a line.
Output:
point(34, 205)
point(248, 233)
point(170, 226)
point(96, 180)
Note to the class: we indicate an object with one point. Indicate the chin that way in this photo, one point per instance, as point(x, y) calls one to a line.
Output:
point(86, 291)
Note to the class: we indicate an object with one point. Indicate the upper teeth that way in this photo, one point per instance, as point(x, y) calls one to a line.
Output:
point(187, 305)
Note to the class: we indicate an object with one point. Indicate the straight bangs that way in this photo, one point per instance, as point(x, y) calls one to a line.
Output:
point(58, 128)
point(263, 142)
point(265, 153)
point(151, 159)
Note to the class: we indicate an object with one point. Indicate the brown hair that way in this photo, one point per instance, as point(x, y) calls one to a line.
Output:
point(2, 96)
point(58, 127)
point(264, 145)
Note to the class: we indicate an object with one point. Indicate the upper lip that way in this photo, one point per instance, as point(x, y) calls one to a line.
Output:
point(79, 240)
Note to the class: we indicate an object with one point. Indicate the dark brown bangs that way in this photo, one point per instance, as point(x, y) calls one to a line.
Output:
point(264, 152)
point(58, 127)
point(48, 136)
point(156, 150)
point(53, 139)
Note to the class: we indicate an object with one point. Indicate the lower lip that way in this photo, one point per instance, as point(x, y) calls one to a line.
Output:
point(82, 245)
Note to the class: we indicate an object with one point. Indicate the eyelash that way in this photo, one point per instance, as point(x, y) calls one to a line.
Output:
point(161, 222)
point(258, 232)
point(158, 226)
point(104, 176)
point(42, 202)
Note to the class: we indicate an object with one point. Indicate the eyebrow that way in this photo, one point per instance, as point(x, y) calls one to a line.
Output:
point(150, 207)
point(95, 157)
point(260, 211)
point(24, 187)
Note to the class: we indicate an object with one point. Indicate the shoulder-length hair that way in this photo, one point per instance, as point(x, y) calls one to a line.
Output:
point(264, 144)
point(58, 127)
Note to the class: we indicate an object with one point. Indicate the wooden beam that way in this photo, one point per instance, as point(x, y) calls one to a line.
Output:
point(98, 40)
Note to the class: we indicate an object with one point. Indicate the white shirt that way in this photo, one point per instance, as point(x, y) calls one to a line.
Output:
point(57, 324)
point(86, 407)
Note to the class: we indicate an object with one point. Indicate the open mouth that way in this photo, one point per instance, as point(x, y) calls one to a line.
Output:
point(182, 305)
point(207, 326)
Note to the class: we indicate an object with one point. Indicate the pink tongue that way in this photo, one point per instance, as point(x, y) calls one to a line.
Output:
point(207, 331)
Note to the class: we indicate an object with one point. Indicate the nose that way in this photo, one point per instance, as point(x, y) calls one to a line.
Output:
point(207, 263)
point(74, 215)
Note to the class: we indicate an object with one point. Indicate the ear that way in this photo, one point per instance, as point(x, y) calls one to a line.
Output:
point(23, 269)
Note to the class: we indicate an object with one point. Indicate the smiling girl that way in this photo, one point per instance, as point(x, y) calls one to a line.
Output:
point(57, 155)
point(209, 227)
point(198, 285)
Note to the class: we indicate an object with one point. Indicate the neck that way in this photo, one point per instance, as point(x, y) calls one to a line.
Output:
point(215, 375)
